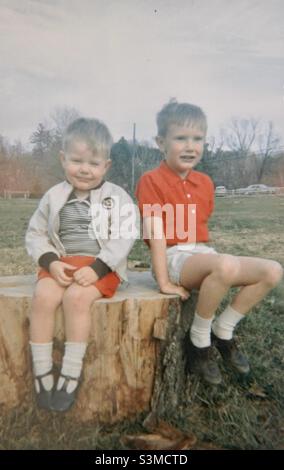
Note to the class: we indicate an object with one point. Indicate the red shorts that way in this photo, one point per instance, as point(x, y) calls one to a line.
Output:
point(107, 285)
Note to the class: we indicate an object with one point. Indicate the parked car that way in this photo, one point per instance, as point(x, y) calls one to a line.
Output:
point(220, 191)
point(256, 189)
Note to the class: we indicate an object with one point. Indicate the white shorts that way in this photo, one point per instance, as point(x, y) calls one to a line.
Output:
point(178, 254)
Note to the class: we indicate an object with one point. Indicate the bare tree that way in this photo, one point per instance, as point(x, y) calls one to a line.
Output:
point(241, 135)
point(250, 144)
point(42, 141)
point(3, 148)
point(216, 144)
point(268, 143)
point(62, 117)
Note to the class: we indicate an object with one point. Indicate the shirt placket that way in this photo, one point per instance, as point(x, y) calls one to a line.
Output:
point(186, 192)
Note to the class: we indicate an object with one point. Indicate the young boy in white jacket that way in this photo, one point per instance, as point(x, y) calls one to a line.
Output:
point(80, 235)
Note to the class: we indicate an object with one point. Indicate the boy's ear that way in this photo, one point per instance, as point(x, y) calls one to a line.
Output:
point(160, 142)
point(62, 157)
point(108, 164)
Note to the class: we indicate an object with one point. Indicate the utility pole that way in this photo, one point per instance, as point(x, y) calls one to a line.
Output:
point(133, 155)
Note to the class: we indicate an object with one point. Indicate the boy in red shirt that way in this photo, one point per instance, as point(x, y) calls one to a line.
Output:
point(176, 202)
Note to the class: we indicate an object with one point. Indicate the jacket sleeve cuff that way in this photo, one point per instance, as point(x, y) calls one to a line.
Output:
point(100, 268)
point(46, 259)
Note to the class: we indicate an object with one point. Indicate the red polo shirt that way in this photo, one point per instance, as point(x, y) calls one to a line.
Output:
point(163, 186)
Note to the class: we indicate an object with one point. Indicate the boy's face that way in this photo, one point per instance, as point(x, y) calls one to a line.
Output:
point(182, 147)
point(83, 169)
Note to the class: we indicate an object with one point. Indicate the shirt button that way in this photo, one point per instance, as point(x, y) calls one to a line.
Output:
point(189, 196)
point(184, 182)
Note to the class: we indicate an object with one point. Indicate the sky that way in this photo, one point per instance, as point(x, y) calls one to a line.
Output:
point(121, 61)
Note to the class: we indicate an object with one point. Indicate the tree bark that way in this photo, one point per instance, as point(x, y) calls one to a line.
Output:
point(134, 358)
point(172, 386)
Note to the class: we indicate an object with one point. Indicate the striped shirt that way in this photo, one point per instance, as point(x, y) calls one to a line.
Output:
point(75, 229)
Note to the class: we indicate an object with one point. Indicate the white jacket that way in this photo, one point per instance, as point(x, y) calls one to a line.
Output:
point(115, 235)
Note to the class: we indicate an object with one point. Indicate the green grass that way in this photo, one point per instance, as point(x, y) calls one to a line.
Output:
point(249, 215)
point(247, 413)
point(239, 414)
point(15, 215)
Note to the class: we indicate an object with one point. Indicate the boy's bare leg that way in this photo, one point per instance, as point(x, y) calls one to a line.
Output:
point(47, 298)
point(77, 301)
point(214, 274)
point(257, 276)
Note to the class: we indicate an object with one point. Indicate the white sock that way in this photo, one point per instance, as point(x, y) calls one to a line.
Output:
point(72, 364)
point(224, 325)
point(42, 363)
point(200, 331)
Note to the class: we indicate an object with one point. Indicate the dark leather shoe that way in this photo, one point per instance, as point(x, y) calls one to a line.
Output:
point(199, 361)
point(231, 354)
point(43, 397)
point(62, 400)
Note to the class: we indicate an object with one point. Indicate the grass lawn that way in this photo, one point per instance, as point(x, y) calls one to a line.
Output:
point(239, 414)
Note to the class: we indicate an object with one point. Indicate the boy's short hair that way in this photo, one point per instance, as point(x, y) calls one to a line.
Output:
point(180, 114)
point(92, 131)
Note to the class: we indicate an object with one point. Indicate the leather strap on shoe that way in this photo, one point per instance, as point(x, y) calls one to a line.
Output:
point(40, 377)
point(67, 380)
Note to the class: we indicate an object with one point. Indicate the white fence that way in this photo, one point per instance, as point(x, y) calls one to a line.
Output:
point(10, 194)
point(235, 192)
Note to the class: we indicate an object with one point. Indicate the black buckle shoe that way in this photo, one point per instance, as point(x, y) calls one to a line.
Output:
point(43, 397)
point(231, 354)
point(62, 400)
point(199, 361)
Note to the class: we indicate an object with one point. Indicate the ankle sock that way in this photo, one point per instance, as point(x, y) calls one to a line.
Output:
point(42, 363)
point(72, 364)
point(224, 325)
point(200, 331)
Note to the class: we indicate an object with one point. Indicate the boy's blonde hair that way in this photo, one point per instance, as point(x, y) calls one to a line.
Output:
point(180, 114)
point(92, 131)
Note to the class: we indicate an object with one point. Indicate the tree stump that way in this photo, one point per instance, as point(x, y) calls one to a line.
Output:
point(134, 359)
point(172, 392)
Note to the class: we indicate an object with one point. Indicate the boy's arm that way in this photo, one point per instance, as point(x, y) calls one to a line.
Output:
point(101, 269)
point(124, 230)
point(37, 240)
point(149, 194)
point(158, 245)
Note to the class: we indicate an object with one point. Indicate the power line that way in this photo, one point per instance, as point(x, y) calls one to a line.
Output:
point(133, 156)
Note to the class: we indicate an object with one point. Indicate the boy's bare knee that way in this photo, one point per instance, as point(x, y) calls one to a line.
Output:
point(46, 295)
point(76, 296)
point(274, 273)
point(73, 296)
point(227, 269)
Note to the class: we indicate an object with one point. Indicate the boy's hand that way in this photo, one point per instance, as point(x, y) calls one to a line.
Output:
point(85, 276)
point(170, 288)
point(57, 270)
